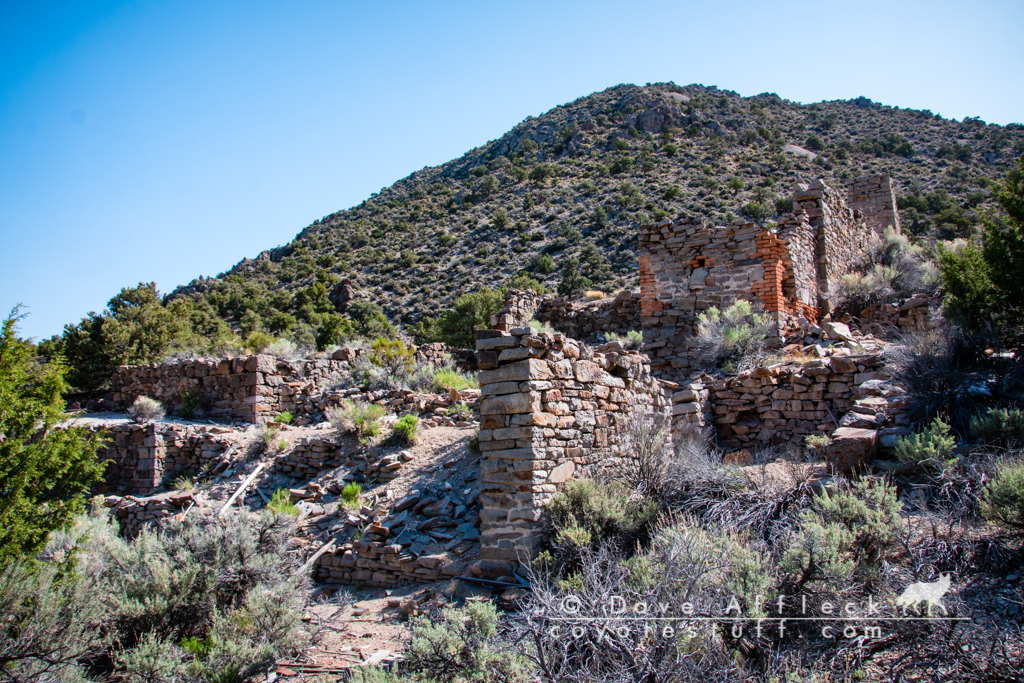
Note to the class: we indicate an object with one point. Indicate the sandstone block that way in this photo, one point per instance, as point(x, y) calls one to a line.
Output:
point(852, 448)
point(520, 371)
point(508, 404)
point(562, 472)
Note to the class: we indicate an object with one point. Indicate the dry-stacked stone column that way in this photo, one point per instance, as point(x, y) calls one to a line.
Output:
point(551, 409)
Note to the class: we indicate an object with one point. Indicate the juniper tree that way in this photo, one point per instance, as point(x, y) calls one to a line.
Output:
point(45, 468)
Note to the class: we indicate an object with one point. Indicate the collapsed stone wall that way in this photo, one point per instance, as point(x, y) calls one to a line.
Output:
point(519, 309)
point(142, 455)
point(549, 413)
point(585, 320)
point(133, 514)
point(590, 321)
point(438, 353)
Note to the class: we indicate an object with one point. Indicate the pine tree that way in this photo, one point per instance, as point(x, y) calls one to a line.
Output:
point(45, 469)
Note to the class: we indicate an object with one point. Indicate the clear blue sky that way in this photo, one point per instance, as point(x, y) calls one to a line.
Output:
point(160, 141)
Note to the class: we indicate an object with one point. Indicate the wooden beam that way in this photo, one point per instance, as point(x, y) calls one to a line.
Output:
point(244, 485)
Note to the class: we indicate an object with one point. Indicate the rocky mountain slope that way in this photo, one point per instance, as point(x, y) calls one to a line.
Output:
point(577, 180)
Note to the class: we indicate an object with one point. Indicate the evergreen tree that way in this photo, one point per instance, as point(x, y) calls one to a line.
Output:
point(45, 471)
point(983, 282)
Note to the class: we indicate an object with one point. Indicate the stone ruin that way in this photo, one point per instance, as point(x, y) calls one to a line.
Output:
point(687, 267)
point(552, 408)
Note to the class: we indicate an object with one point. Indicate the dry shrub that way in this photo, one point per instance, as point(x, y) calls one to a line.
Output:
point(146, 409)
point(955, 375)
point(892, 268)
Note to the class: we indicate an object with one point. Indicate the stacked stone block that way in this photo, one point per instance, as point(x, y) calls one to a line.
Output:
point(381, 565)
point(551, 409)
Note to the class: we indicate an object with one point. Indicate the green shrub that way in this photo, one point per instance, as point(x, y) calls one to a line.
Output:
point(405, 429)
point(269, 443)
point(1003, 498)
point(258, 341)
point(632, 339)
point(391, 354)
point(932, 448)
point(460, 411)
point(538, 326)
point(999, 426)
point(284, 418)
point(891, 268)
point(183, 482)
point(350, 494)
point(471, 312)
point(281, 503)
point(462, 645)
point(736, 337)
point(45, 472)
point(146, 409)
point(448, 378)
point(846, 531)
point(983, 283)
point(361, 418)
point(544, 263)
point(588, 513)
point(204, 598)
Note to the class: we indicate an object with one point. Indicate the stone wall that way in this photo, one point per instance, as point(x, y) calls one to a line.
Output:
point(771, 406)
point(548, 414)
point(141, 455)
point(840, 235)
point(519, 309)
point(589, 321)
point(251, 389)
point(874, 197)
point(381, 565)
point(132, 514)
point(686, 268)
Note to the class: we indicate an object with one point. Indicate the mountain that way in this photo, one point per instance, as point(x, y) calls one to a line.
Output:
point(577, 180)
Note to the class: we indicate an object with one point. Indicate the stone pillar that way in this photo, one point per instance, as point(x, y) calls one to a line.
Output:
point(547, 415)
